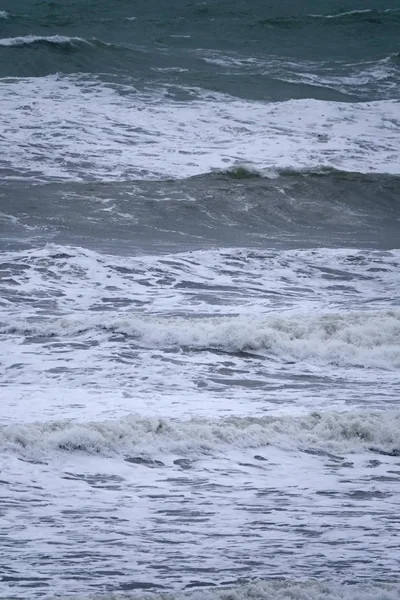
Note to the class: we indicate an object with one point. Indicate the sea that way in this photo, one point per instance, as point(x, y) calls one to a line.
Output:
point(200, 300)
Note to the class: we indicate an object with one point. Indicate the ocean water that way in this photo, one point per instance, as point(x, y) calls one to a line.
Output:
point(200, 300)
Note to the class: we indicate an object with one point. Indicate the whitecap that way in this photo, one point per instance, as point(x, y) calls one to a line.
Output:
point(32, 39)
point(183, 139)
point(342, 14)
point(339, 432)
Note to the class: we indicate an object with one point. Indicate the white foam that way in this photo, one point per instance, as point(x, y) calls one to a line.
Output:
point(352, 340)
point(321, 325)
point(271, 281)
point(74, 128)
point(350, 78)
point(4, 14)
point(157, 436)
point(356, 80)
point(220, 522)
point(344, 14)
point(282, 303)
point(265, 590)
point(165, 351)
point(31, 39)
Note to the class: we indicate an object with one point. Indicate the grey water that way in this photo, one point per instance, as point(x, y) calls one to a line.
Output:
point(199, 299)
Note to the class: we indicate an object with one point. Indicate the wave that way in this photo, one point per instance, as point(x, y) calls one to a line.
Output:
point(297, 134)
point(351, 340)
point(287, 207)
point(266, 590)
point(347, 18)
point(133, 435)
point(369, 79)
point(37, 39)
point(360, 81)
point(4, 14)
point(249, 171)
point(351, 13)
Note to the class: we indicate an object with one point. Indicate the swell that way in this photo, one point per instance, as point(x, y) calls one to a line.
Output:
point(136, 436)
point(248, 171)
point(365, 79)
point(358, 14)
point(320, 207)
point(348, 18)
point(41, 55)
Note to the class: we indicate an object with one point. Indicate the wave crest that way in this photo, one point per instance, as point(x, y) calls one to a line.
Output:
point(320, 432)
point(297, 134)
point(346, 17)
point(35, 39)
point(354, 14)
point(271, 590)
point(351, 340)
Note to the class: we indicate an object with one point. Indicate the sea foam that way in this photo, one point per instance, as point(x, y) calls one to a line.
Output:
point(346, 340)
point(265, 590)
point(182, 139)
point(338, 432)
point(32, 39)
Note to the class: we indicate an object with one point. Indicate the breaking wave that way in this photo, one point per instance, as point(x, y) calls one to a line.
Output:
point(154, 437)
point(35, 39)
point(352, 340)
point(297, 134)
point(266, 590)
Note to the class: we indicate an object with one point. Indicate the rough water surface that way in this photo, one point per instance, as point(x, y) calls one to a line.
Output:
point(199, 300)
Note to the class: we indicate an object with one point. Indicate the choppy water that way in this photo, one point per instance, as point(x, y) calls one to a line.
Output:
point(199, 300)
